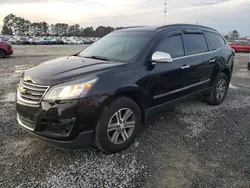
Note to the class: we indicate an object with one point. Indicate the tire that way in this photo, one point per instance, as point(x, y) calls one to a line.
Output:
point(2, 53)
point(103, 137)
point(214, 98)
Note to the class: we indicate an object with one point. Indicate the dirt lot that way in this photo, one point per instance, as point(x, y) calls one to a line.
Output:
point(190, 145)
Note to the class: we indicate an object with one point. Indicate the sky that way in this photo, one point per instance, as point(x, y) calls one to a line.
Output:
point(223, 15)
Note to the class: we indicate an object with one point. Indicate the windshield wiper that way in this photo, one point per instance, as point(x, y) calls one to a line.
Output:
point(98, 57)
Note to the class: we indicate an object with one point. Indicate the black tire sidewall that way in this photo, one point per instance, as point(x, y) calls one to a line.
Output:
point(101, 138)
point(4, 53)
point(219, 77)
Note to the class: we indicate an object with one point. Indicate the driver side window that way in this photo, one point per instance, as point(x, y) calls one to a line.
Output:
point(172, 45)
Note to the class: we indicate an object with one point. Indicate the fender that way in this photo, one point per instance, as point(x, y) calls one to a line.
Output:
point(137, 94)
point(217, 70)
point(132, 90)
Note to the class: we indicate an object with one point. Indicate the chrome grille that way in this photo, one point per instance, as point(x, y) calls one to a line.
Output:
point(32, 92)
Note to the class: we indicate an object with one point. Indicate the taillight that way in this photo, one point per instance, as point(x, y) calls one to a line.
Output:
point(233, 50)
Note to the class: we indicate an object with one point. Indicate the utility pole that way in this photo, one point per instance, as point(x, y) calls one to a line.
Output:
point(165, 11)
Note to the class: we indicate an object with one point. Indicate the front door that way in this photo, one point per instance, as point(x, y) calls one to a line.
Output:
point(165, 81)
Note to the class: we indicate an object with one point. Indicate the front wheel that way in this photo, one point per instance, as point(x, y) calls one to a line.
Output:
point(219, 90)
point(2, 53)
point(118, 125)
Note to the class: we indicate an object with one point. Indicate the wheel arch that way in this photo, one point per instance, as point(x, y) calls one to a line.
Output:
point(3, 49)
point(227, 72)
point(137, 95)
point(225, 69)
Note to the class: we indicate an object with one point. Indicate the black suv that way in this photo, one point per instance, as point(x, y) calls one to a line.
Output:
point(104, 94)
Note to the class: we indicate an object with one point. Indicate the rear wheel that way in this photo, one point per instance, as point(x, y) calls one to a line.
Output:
point(2, 53)
point(118, 126)
point(219, 90)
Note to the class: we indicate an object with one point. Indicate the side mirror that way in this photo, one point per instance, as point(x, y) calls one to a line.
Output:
point(161, 57)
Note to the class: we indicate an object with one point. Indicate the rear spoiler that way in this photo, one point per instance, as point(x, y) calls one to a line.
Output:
point(193, 31)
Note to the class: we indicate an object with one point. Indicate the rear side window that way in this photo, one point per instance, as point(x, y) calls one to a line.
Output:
point(195, 43)
point(215, 40)
point(172, 45)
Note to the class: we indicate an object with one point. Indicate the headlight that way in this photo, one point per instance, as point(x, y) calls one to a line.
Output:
point(70, 90)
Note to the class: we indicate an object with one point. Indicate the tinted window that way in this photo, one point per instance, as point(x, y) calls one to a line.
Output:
point(195, 43)
point(172, 45)
point(215, 40)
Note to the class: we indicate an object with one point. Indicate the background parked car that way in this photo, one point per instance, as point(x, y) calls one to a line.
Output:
point(242, 46)
point(46, 41)
point(36, 41)
point(66, 41)
point(5, 49)
point(23, 41)
point(13, 40)
point(4, 38)
point(248, 66)
point(31, 40)
point(58, 41)
point(88, 41)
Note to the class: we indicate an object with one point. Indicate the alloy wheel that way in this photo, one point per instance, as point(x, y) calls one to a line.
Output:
point(221, 89)
point(121, 126)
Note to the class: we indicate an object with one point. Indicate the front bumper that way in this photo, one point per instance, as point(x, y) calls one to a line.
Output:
point(82, 141)
point(65, 124)
point(9, 52)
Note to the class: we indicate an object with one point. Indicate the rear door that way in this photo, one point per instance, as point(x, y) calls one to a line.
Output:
point(220, 52)
point(200, 61)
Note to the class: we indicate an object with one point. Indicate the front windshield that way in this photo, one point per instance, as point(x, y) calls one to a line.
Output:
point(118, 46)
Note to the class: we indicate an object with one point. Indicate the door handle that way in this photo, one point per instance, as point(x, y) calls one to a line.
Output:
point(212, 61)
point(185, 67)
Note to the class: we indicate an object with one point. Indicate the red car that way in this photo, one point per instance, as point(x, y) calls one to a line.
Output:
point(240, 46)
point(5, 49)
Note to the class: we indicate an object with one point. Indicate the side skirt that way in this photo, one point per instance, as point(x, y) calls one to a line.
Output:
point(162, 107)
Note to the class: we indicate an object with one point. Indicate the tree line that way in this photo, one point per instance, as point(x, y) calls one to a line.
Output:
point(232, 35)
point(13, 25)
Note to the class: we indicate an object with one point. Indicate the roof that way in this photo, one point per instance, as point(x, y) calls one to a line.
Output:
point(139, 28)
point(160, 28)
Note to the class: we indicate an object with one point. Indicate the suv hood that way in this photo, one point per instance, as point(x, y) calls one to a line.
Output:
point(65, 69)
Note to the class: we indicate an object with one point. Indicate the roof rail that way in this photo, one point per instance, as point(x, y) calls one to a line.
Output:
point(201, 26)
point(133, 27)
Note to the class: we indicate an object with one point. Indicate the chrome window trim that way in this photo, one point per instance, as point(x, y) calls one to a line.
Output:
point(196, 54)
point(181, 89)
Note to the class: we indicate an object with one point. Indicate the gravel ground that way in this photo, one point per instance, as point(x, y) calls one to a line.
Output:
point(190, 145)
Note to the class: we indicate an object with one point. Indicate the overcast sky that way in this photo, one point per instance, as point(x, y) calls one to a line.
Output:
point(223, 15)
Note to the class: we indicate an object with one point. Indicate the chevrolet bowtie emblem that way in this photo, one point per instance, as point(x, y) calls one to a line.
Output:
point(22, 90)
